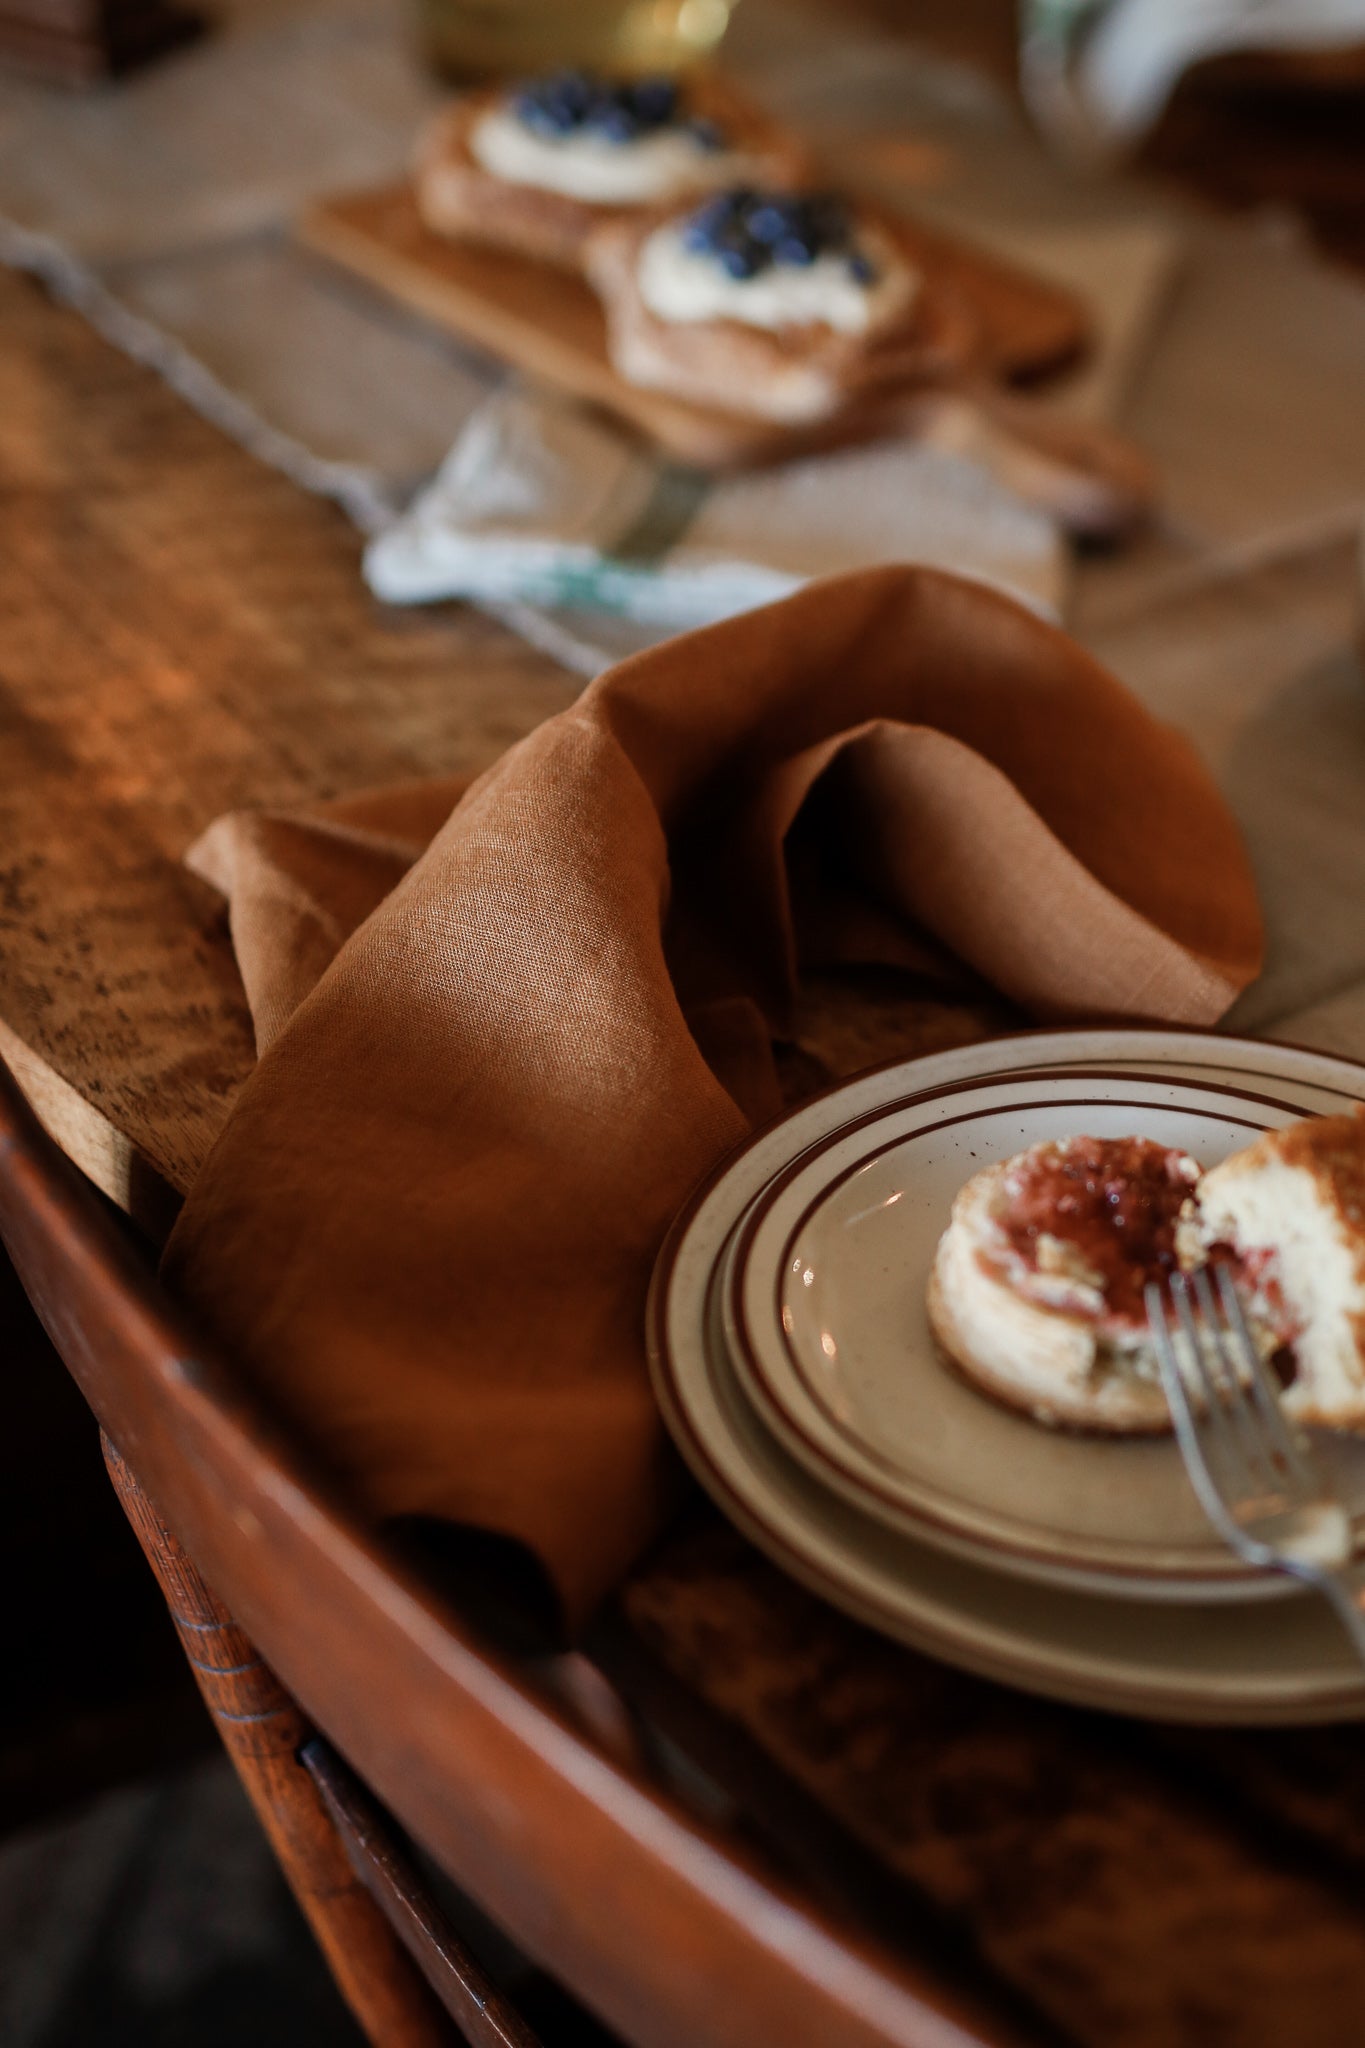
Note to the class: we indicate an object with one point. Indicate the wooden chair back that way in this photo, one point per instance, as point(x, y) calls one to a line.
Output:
point(664, 1929)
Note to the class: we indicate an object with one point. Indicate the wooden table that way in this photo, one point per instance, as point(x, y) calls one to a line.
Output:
point(183, 632)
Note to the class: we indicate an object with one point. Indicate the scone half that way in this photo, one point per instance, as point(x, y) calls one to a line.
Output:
point(1036, 1291)
point(799, 373)
point(1287, 1217)
point(460, 197)
point(1037, 1286)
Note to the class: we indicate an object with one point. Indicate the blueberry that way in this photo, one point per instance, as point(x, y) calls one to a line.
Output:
point(795, 249)
point(708, 134)
point(555, 105)
point(862, 269)
point(708, 220)
point(547, 119)
point(769, 221)
point(618, 124)
point(697, 237)
point(740, 260)
point(576, 92)
point(654, 100)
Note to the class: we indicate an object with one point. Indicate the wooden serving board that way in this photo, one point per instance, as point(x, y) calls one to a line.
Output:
point(548, 323)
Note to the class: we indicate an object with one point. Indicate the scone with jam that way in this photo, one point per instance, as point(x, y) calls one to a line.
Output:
point(1038, 1281)
point(1037, 1288)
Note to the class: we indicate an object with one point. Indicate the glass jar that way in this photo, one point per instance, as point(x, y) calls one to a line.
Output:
point(477, 39)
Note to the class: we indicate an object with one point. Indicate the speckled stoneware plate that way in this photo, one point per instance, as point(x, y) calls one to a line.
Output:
point(1226, 1661)
point(824, 1308)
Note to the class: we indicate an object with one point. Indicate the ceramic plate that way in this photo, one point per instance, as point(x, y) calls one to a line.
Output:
point(1230, 1663)
point(826, 1323)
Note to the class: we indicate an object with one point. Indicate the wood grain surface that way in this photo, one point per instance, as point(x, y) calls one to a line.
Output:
point(1139, 1889)
point(181, 632)
point(263, 1732)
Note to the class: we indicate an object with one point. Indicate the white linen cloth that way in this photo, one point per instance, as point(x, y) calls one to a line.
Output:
point(540, 503)
point(1101, 74)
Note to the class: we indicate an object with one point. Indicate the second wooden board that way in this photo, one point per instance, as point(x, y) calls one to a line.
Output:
point(548, 323)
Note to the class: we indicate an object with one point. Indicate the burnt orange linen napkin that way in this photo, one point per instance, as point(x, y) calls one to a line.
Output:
point(503, 1036)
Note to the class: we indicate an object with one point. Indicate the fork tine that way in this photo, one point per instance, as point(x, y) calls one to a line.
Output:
point(1195, 1438)
point(1258, 1451)
point(1173, 1379)
point(1286, 1440)
point(1227, 1427)
point(1210, 1383)
point(1302, 1527)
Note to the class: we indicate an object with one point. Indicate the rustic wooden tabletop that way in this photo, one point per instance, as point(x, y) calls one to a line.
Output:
point(184, 632)
point(181, 632)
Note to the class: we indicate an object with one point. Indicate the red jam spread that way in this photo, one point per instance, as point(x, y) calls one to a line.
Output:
point(1255, 1273)
point(1115, 1199)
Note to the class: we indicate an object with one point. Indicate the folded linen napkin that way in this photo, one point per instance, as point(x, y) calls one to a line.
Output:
point(503, 1036)
point(540, 503)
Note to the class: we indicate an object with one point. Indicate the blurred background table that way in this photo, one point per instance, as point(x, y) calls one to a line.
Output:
point(1243, 132)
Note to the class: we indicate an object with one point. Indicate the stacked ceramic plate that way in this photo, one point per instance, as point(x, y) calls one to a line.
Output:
point(793, 1359)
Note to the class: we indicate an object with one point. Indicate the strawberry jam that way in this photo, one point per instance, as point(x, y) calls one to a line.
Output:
point(1115, 1200)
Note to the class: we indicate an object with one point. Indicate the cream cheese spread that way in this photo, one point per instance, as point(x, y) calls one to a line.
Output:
point(680, 284)
point(662, 164)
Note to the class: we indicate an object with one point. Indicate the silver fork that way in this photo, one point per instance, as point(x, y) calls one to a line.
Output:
point(1254, 1472)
